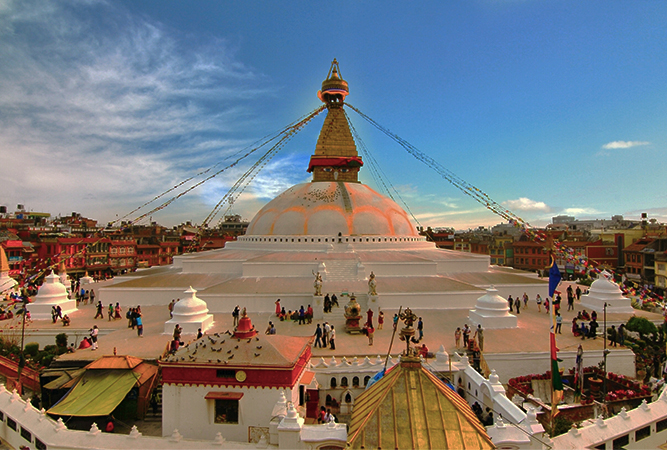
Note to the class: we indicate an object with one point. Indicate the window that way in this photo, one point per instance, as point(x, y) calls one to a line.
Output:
point(227, 374)
point(366, 379)
point(333, 383)
point(642, 433)
point(11, 423)
point(621, 442)
point(343, 382)
point(26, 434)
point(661, 425)
point(226, 411)
point(39, 444)
point(355, 381)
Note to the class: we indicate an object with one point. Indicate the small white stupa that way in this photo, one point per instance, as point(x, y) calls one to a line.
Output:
point(491, 311)
point(62, 273)
point(605, 290)
point(190, 313)
point(86, 280)
point(6, 282)
point(51, 293)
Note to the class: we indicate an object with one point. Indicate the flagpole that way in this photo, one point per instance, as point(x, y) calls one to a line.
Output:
point(556, 382)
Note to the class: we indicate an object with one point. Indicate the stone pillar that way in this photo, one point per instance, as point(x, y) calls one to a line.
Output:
point(318, 307)
point(289, 430)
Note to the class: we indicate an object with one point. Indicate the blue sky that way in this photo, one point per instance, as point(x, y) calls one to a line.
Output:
point(550, 107)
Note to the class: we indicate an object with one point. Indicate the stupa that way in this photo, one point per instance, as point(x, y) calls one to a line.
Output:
point(604, 290)
point(52, 293)
point(190, 313)
point(6, 283)
point(334, 225)
point(491, 312)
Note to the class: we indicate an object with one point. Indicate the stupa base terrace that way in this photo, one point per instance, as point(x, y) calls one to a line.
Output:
point(256, 270)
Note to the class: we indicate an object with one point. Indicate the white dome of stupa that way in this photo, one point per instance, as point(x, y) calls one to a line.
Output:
point(605, 290)
point(329, 208)
point(51, 293)
point(191, 313)
point(491, 311)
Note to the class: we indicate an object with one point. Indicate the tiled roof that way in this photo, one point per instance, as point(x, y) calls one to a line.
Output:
point(409, 408)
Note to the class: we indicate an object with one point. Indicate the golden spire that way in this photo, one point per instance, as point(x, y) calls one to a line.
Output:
point(4, 262)
point(336, 157)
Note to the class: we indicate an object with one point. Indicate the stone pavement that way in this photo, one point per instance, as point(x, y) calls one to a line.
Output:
point(532, 335)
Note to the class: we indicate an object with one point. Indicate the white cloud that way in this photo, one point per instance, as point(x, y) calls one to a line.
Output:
point(625, 144)
point(103, 110)
point(525, 204)
point(579, 212)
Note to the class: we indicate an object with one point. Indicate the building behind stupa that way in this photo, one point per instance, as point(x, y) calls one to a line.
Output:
point(335, 226)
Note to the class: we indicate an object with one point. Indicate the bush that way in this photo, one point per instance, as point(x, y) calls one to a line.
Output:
point(31, 349)
point(61, 340)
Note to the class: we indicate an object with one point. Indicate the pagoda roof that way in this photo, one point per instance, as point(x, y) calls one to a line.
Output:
point(228, 351)
point(410, 408)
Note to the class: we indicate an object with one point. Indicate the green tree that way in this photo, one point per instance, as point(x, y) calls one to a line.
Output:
point(650, 348)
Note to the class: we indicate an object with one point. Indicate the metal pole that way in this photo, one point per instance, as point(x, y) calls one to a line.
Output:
point(604, 356)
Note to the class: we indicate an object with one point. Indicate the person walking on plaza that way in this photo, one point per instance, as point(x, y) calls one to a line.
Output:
point(457, 337)
point(466, 335)
point(326, 334)
point(510, 301)
point(302, 315)
point(277, 307)
point(332, 337)
point(380, 320)
point(309, 315)
point(612, 336)
point(621, 335)
point(318, 337)
point(479, 336)
point(420, 329)
point(171, 308)
point(99, 313)
point(559, 323)
point(395, 320)
point(117, 311)
point(538, 300)
point(92, 297)
point(110, 312)
point(525, 300)
point(578, 293)
point(517, 305)
point(93, 337)
point(235, 315)
point(570, 299)
point(140, 325)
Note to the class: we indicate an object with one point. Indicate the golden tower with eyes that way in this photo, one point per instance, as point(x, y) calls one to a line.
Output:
point(336, 158)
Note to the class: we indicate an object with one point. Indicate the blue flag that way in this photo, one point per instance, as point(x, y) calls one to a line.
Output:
point(554, 277)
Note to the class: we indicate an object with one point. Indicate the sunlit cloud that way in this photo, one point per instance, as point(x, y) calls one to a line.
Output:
point(578, 211)
point(525, 204)
point(625, 144)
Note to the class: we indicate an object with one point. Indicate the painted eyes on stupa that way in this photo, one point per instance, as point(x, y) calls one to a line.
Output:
point(339, 169)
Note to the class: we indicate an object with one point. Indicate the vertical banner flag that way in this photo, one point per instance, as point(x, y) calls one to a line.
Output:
point(579, 372)
point(556, 382)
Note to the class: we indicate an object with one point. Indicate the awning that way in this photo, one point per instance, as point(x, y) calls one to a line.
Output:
point(223, 395)
point(353, 162)
point(97, 393)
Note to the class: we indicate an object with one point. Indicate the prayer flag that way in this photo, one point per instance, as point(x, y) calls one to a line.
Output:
point(554, 277)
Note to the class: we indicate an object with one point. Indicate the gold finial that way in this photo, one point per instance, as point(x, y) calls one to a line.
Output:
point(334, 88)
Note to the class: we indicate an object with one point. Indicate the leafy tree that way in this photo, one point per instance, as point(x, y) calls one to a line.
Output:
point(650, 348)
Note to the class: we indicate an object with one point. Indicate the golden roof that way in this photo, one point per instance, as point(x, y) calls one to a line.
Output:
point(410, 408)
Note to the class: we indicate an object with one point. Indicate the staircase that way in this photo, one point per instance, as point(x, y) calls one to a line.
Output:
point(341, 270)
point(155, 415)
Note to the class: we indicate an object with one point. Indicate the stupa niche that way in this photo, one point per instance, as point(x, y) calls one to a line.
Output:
point(191, 313)
point(52, 293)
point(604, 290)
point(491, 311)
